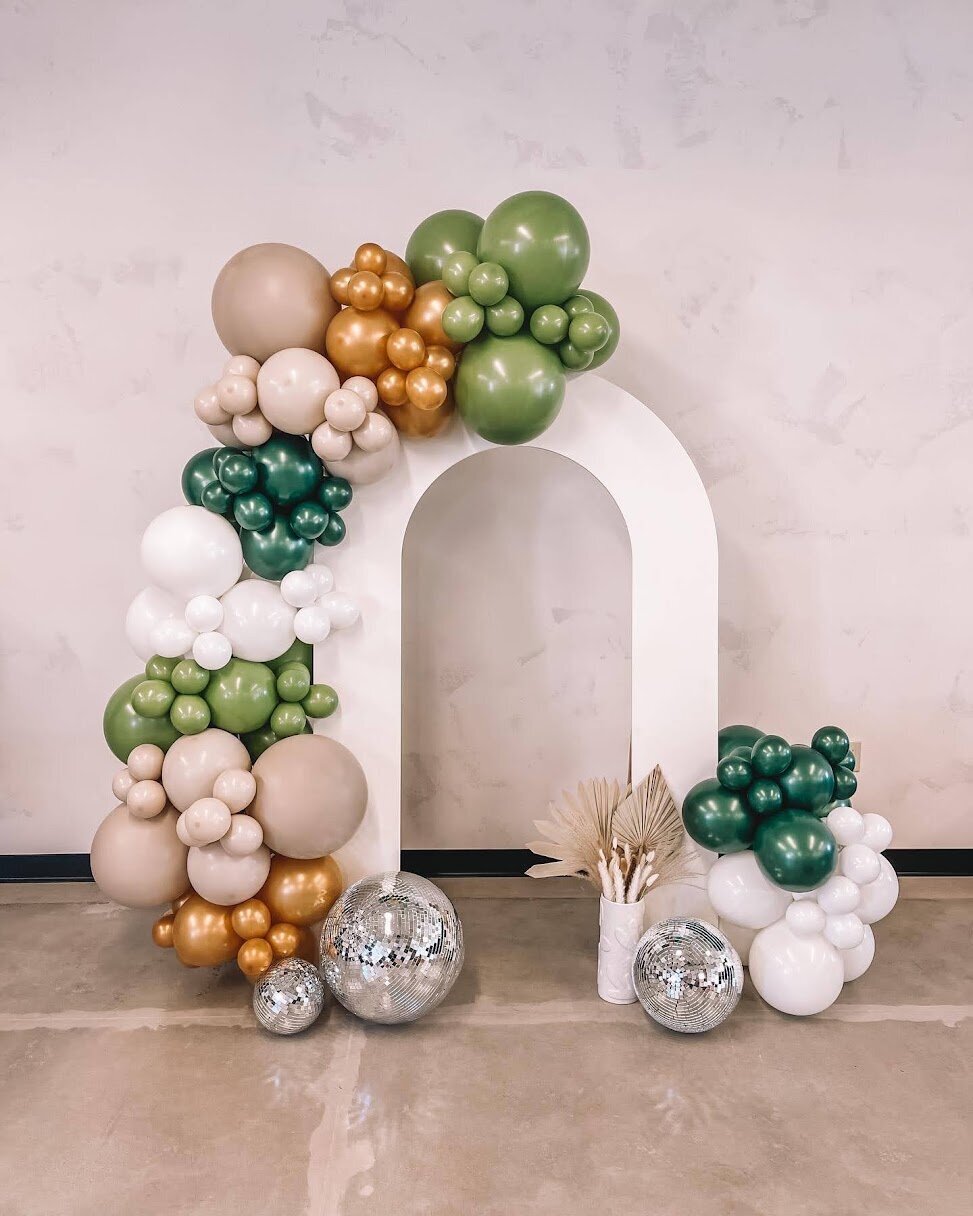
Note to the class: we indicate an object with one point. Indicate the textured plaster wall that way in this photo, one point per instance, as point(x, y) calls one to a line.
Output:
point(779, 198)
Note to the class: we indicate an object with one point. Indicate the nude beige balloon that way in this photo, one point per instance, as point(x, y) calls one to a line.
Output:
point(194, 762)
point(145, 762)
point(242, 365)
point(311, 795)
point(139, 862)
point(362, 468)
point(146, 799)
point(208, 408)
point(374, 433)
point(121, 783)
point(253, 429)
point(223, 433)
point(293, 386)
point(344, 409)
point(271, 297)
point(224, 879)
point(330, 444)
point(236, 787)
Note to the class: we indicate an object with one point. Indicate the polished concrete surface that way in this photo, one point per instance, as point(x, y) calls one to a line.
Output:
point(129, 1084)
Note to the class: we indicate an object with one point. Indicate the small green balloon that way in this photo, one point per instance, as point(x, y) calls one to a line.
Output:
point(238, 473)
point(216, 499)
point(125, 728)
point(457, 271)
point(574, 360)
point(488, 284)
point(771, 755)
point(764, 796)
point(253, 512)
point(549, 324)
point(832, 743)
point(848, 762)
point(241, 696)
point(293, 682)
point(152, 698)
point(604, 309)
point(159, 668)
point(335, 493)
point(509, 390)
point(309, 519)
point(320, 702)
point(808, 782)
point(718, 819)
point(257, 741)
point(197, 475)
point(297, 652)
point(505, 319)
point(276, 551)
point(221, 455)
point(734, 773)
point(437, 237)
point(189, 678)
point(737, 736)
point(288, 470)
point(795, 850)
point(845, 783)
point(189, 715)
point(577, 306)
point(462, 319)
point(742, 750)
point(589, 332)
point(287, 720)
point(334, 532)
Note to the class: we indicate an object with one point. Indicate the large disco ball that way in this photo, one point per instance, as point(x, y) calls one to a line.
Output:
point(687, 975)
point(392, 947)
point(288, 997)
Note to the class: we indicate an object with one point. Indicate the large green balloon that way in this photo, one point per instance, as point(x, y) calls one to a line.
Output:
point(717, 818)
point(509, 390)
point(197, 475)
point(288, 470)
point(241, 696)
point(795, 850)
point(125, 728)
point(808, 782)
point(276, 551)
point(541, 242)
point(604, 309)
point(297, 652)
point(437, 237)
point(737, 736)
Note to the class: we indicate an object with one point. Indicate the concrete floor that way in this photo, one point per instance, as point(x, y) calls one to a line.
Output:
point(129, 1084)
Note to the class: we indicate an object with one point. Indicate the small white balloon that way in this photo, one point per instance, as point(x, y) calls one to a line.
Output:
point(844, 931)
point(244, 837)
point(237, 788)
point(190, 551)
point(878, 897)
point(859, 863)
point(257, 620)
point(172, 638)
point(795, 974)
point(204, 613)
point(341, 608)
point(838, 895)
point(741, 894)
point(878, 832)
point(312, 625)
point(847, 826)
point(206, 821)
point(858, 959)
point(322, 575)
point(150, 608)
point(299, 589)
point(212, 651)
point(223, 879)
point(804, 917)
point(365, 389)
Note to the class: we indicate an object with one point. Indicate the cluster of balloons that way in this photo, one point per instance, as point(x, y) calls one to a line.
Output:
point(771, 795)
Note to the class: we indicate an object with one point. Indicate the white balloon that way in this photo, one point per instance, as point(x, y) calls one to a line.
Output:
point(171, 638)
point(838, 895)
point(322, 575)
point(365, 389)
point(299, 589)
point(804, 917)
point(205, 821)
point(245, 836)
point(204, 613)
point(844, 931)
point(151, 607)
point(190, 551)
point(878, 832)
point(878, 897)
point(312, 625)
point(221, 878)
point(859, 863)
point(341, 608)
point(257, 621)
point(797, 975)
point(741, 894)
point(858, 959)
point(847, 826)
point(212, 651)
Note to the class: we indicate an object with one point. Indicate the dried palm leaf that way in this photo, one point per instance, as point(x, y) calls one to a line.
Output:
point(578, 831)
point(648, 820)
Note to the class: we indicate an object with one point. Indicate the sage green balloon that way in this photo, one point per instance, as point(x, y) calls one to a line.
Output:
point(287, 720)
point(320, 702)
point(604, 309)
point(241, 696)
point(509, 390)
point(541, 242)
point(808, 782)
point(189, 678)
point(573, 358)
point(153, 698)
point(505, 319)
point(549, 324)
point(159, 668)
point(577, 306)
point(718, 819)
point(589, 331)
point(293, 682)
point(437, 237)
point(297, 652)
point(190, 715)
point(488, 284)
point(457, 270)
point(125, 728)
point(197, 475)
point(257, 741)
point(462, 319)
point(795, 850)
point(737, 736)
point(276, 550)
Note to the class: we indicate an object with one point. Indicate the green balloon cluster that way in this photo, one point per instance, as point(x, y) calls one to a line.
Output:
point(771, 795)
point(279, 495)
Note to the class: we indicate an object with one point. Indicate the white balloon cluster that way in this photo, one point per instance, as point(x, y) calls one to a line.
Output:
point(811, 943)
point(317, 607)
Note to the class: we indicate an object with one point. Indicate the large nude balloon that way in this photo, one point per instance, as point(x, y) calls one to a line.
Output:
point(271, 297)
point(293, 386)
point(194, 762)
point(223, 879)
point(140, 863)
point(361, 468)
point(311, 796)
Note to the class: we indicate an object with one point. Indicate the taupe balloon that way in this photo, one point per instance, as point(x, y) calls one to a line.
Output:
point(223, 432)
point(225, 879)
point(329, 443)
point(293, 386)
point(311, 795)
point(194, 762)
point(145, 762)
point(205, 822)
point(244, 836)
point(253, 429)
point(146, 799)
point(271, 297)
point(139, 862)
point(236, 787)
point(362, 468)
point(121, 783)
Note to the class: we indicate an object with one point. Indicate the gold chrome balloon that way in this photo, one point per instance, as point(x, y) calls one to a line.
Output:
point(406, 349)
point(162, 931)
point(425, 315)
point(355, 341)
point(365, 291)
point(203, 933)
point(290, 940)
point(301, 892)
point(250, 919)
point(254, 958)
point(391, 387)
point(425, 388)
point(371, 257)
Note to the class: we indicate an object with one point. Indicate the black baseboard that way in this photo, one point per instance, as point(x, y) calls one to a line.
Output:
point(459, 863)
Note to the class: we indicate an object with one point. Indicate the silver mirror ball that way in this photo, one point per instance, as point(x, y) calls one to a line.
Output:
point(289, 996)
point(687, 975)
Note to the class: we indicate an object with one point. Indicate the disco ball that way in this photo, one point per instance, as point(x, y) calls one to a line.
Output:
point(687, 975)
point(392, 947)
point(288, 997)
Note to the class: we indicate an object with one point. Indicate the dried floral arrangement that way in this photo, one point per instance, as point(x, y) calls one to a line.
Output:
point(622, 841)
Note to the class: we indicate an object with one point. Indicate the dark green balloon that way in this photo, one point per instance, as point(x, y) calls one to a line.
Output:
point(159, 668)
point(189, 678)
point(253, 512)
point(334, 532)
point(589, 332)
point(765, 796)
point(125, 728)
point(845, 783)
point(808, 782)
point(742, 750)
point(734, 773)
point(718, 819)
point(153, 698)
point(276, 551)
point(335, 493)
point(293, 682)
point(297, 652)
point(287, 720)
point(604, 309)
point(320, 702)
point(541, 242)
point(457, 269)
point(509, 390)
point(222, 455)
point(771, 754)
point(436, 238)
point(309, 519)
point(463, 319)
point(238, 473)
point(795, 850)
point(241, 696)
point(549, 324)
point(190, 715)
point(488, 284)
point(848, 762)
point(197, 475)
point(832, 743)
point(257, 741)
point(505, 319)
point(216, 498)
point(288, 470)
point(737, 736)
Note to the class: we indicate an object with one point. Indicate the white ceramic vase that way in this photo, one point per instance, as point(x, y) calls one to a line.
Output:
point(621, 927)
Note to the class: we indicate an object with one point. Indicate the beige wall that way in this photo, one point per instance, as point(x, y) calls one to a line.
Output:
point(779, 198)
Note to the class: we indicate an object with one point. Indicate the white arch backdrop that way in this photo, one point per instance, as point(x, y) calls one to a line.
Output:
point(674, 605)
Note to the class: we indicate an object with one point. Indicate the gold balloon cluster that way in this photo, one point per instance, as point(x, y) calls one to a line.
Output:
point(273, 924)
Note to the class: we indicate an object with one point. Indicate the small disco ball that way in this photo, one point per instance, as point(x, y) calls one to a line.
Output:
point(687, 975)
point(392, 947)
point(288, 997)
